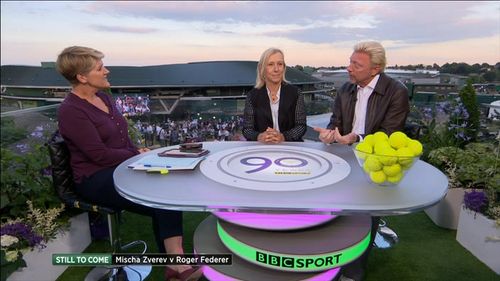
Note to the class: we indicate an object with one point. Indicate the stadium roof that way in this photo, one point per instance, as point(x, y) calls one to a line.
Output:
point(198, 74)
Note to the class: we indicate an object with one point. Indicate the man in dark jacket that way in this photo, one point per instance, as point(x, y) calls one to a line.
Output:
point(370, 102)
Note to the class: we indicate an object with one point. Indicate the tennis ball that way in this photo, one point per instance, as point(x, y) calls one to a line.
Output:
point(406, 166)
point(405, 156)
point(363, 149)
point(366, 169)
point(372, 164)
point(398, 140)
point(378, 176)
point(381, 146)
point(392, 170)
point(380, 136)
point(369, 139)
point(396, 178)
point(388, 156)
point(415, 146)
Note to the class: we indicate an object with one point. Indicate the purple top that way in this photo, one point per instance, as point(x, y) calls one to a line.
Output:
point(96, 139)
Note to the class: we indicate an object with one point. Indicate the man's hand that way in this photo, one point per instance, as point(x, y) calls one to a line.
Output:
point(346, 139)
point(325, 135)
point(143, 150)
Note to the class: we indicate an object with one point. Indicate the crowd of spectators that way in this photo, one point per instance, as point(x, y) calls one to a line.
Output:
point(172, 132)
point(485, 88)
point(132, 106)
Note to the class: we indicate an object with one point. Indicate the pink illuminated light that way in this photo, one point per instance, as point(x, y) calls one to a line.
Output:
point(213, 274)
point(274, 221)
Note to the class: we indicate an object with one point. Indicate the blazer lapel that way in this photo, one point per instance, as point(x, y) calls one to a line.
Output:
point(371, 108)
point(266, 105)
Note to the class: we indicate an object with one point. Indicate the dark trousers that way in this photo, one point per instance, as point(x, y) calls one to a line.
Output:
point(356, 269)
point(99, 189)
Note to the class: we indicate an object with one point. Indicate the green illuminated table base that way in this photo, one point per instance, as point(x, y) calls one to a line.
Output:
point(283, 255)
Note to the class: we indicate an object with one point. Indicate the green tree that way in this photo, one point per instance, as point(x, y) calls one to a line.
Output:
point(469, 100)
point(475, 78)
point(491, 76)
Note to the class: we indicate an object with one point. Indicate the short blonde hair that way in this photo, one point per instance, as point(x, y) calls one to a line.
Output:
point(77, 60)
point(376, 52)
point(260, 81)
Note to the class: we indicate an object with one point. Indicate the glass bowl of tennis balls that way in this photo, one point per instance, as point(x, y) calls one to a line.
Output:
point(385, 160)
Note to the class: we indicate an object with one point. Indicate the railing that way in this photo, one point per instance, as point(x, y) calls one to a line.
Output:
point(24, 128)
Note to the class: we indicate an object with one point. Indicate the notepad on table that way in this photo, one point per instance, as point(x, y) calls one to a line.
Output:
point(171, 163)
point(183, 153)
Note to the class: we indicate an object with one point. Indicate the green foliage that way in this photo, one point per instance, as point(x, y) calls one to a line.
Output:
point(469, 100)
point(135, 135)
point(462, 68)
point(476, 166)
point(11, 133)
point(441, 124)
point(27, 196)
point(476, 163)
point(434, 136)
point(491, 76)
point(25, 177)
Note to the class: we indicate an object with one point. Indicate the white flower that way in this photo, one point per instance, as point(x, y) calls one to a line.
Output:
point(11, 256)
point(7, 240)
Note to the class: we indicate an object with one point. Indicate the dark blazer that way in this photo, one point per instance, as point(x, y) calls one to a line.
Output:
point(291, 113)
point(386, 111)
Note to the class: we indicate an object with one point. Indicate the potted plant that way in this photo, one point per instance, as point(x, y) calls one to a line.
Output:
point(32, 216)
point(479, 223)
point(445, 213)
point(472, 168)
point(475, 169)
point(25, 234)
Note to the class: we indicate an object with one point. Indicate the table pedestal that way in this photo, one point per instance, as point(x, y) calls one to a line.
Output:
point(315, 253)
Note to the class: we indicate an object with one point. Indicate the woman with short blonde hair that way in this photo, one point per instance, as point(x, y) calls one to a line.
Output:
point(274, 110)
point(77, 60)
point(260, 81)
point(96, 134)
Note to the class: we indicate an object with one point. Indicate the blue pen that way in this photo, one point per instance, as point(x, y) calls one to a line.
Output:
point(148, 165)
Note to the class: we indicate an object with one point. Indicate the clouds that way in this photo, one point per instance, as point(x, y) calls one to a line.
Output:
point(311, 32)
point(125, 29)
point(325, 22)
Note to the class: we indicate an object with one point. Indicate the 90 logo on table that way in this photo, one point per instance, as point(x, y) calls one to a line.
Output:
point(265, 163)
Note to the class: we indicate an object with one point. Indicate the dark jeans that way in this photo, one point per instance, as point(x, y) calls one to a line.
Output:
point(99, 189)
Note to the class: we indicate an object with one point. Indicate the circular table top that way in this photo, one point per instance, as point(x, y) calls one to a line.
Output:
point(275, 168)
point(191, 190)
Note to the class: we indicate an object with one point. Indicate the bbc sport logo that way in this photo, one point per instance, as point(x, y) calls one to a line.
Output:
point(296, 262)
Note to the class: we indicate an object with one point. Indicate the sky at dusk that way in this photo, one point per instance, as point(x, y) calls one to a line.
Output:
point(310, 33)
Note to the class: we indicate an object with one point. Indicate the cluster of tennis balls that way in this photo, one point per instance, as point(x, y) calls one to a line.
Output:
point(385, 158)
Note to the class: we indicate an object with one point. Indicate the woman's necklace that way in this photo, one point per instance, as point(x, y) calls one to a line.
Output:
point(273, 94)
point(274, 97)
